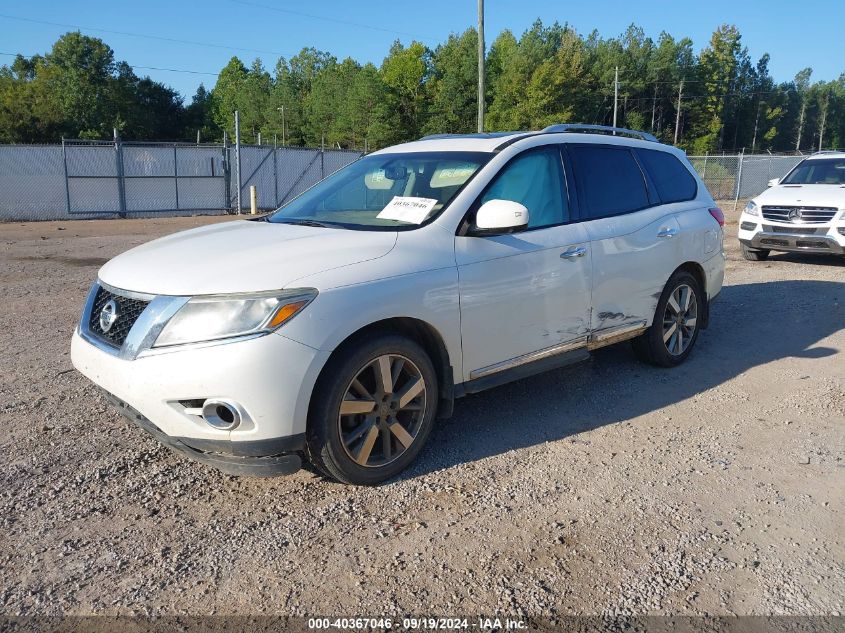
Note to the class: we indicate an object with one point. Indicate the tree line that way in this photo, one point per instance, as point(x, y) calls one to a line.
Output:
point(716, 100)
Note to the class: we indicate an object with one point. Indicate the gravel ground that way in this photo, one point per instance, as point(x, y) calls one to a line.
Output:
point(605, 488)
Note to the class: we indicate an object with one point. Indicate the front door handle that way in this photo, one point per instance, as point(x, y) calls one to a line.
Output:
point(574, 253)
point(667, 233)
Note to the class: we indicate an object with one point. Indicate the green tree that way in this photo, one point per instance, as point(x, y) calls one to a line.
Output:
point(453, 88)
point(722, 69)
point(404, 73)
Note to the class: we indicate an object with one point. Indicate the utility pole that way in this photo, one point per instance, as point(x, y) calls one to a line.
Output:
point(615, 95)
point(653, 107)
point(678, 112)
point(238, 157)
point(800, 126)
point(821, 126)
point(481, 89)
point(282, 110)
point(756, 123)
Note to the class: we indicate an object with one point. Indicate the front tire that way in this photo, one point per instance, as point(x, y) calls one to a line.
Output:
point(676, 325)
point(754, 254)
point(372, 410)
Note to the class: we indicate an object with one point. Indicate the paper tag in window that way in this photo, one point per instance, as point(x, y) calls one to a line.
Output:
point(408, 209)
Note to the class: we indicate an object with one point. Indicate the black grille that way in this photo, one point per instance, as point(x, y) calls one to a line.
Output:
point(800, 215)
point(794, 230)
point(128, 311)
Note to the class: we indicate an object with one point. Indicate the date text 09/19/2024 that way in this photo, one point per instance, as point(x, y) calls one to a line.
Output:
point(420, 623)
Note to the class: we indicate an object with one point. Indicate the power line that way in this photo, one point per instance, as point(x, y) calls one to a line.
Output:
point(141, 35)
point(358, 25)
point(170, 70)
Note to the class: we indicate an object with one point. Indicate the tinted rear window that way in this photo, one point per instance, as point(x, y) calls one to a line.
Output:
point(609, 180)
point(672, 180)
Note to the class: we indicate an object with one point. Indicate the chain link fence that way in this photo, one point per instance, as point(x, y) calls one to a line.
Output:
point(91, 179)
point(741, 176)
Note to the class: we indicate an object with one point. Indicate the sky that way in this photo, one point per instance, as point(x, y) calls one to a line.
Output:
point(197, 37)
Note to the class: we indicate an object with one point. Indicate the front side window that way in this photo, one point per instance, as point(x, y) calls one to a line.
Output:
point(384, 191)
point(609, 180)
point(672, 180)
point(818, 171)
point(535, 180)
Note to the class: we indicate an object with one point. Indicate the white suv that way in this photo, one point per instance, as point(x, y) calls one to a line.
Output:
point(801, 212)
point(339, 327)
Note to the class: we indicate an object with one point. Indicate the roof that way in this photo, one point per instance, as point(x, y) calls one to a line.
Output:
point(493, 141)
point(487, 142)
point(828, 153)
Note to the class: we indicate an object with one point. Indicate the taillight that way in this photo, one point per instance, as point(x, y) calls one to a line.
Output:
point(717, 214)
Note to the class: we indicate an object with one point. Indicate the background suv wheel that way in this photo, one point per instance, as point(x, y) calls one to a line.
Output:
point(373, 409)
point(677, 321)
point(754, 254)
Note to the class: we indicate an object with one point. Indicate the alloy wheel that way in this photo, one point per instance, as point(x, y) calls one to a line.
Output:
point(680, 319)
point(382, 410)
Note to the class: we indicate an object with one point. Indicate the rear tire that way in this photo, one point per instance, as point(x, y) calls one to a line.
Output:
point(754, 254)
point(677, 322)
point(372, 409)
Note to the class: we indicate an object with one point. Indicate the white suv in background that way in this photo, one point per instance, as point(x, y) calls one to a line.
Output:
point(801, 212)
point(339, 327)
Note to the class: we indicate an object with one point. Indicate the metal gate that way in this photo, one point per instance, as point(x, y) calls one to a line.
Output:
point(142, 178)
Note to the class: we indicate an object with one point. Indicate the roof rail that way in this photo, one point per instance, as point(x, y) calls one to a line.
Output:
point(431, 137)
point(598, 129)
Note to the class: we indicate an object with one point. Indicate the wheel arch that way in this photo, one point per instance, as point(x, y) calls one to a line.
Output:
point(422, 333)
point(697, 271)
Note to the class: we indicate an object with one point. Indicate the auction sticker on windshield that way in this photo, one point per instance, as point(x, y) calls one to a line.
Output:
point(407, 209)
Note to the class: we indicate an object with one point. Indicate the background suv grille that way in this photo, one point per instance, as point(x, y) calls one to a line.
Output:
point(128, 311)
point(808, 215)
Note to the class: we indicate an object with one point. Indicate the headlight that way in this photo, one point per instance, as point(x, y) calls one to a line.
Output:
point(751, 208)
point(218, 317)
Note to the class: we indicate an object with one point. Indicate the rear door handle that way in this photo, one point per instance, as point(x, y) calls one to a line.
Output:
point(667, 233)
point(574, 253)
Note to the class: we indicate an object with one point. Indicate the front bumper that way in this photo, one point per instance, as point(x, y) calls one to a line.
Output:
point(792, 242)
point(801, 237)
point(271, 378)
point(282, 459)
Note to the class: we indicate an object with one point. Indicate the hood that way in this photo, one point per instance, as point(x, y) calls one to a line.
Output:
point(240, 256)
point(804, 196)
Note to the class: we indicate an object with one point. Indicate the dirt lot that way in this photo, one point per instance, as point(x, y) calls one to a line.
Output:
point(609, 487)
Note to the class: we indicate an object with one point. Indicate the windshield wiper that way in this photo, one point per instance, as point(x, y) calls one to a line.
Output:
point(310, 223)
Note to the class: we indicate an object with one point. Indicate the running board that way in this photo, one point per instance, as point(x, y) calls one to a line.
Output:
point(554, 357)
point(617, 334)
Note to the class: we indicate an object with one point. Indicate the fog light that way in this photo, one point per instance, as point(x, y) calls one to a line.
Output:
point(748, 226)
point(221, 414)
point(841, 230)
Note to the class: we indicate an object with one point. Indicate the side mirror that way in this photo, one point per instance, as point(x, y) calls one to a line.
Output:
point(774, 182)
point(501, 216)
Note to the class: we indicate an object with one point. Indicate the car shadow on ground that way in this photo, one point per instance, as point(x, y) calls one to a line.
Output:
point(809, 258)
point(751, 325)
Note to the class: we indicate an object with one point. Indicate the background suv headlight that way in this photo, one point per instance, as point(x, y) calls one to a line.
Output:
point(211, 318)
point(751, 208)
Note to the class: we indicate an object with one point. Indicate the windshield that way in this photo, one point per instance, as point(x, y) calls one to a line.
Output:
point(818, 171)
point(384, 191)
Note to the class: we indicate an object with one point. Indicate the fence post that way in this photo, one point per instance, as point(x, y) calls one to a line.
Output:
point(227, 175)
point(238, 158)
point(176, 175)
point(275, 175)
point(67, 182)
point(739, 178)
point(121, 182)
point(704, 171)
